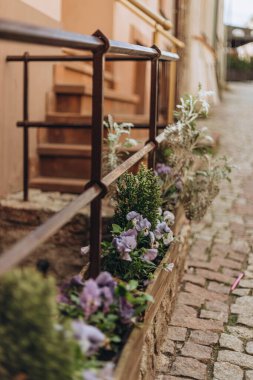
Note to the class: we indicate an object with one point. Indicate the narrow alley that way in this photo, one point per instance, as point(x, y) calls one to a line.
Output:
point(211, 331)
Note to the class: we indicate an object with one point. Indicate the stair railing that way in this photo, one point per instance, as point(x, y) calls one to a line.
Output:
point(99, 45)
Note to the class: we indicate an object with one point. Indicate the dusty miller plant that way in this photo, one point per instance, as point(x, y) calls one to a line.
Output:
point(184, 174)
point(115, 134)
point(202, 186)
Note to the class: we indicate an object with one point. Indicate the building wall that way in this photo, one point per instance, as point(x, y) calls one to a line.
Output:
point(200, 30)
point(11, 94)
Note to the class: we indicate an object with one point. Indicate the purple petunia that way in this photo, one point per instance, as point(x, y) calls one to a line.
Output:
point(150, 254)
point(89, 337)
point(125, 243)
point(162, 169)
point(126, 310)
point(105, 279)
point(90, 299)
point(161, 229)
point(142, 224)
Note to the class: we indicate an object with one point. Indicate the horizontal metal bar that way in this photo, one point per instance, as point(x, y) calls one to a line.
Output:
point(48, 124)
point(75, 58)
point(28, 244)
point(17, 31)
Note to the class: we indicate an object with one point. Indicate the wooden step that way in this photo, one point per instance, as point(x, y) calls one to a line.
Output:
point(72, 117)
point(79, 89)
point(64, 185)
point(69, 150)
point(83, 136)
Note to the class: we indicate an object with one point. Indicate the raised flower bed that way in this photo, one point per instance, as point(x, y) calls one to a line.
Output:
point(118, 318)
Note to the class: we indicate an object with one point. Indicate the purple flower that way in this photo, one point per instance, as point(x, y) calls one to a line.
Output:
point(169, 267)
point(107, 298)
point(90, 338)
point(125, 243)
point(162, 169)
point(90, 299)
point(133, 215)
point(105, 279)
point(77, 280)
point(150, 254)
point(143, 224)
point(126, 310)
point(161, 229)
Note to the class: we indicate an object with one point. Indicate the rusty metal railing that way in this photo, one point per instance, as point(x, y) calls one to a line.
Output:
point(99, 45)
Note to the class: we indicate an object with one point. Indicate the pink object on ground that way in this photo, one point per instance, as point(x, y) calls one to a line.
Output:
point(237, 281)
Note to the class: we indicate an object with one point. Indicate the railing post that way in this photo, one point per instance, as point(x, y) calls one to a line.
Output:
point(96, 156)
point(153, 108)
point(25, 130)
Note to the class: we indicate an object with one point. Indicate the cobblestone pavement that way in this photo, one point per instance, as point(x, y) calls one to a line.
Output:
point(211, 331)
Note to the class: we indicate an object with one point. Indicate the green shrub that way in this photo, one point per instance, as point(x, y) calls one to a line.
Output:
point(140, 193)
point(30, 343)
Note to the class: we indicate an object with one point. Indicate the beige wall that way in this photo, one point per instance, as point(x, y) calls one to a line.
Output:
point(86, 16)
point(11, 94)
point(51, 8)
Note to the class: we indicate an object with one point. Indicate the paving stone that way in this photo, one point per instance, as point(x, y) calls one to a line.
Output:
point(184, 298)
point(231, 342)
point(236, 256)
point(176, 333)
point(214, 276)
point(168, 347)
point(241, 292)
point(240, 246)
point(219, 249)
point(218, 288)
point(168, 377)
point(241, 332)
point(197, 323)
point(231, 264)
point(245, 320)
point(248, 275)
point(196, 351)
point(194, 279)
point(202, 337)
point(237, 358)
point(189, 367)
point(249, 348)
point(217, 306)
point(184, 310)
point(225, 371)
point(231, 273)
point(249, 375)
point(204, 293)
point(206, 265)
point(246, 284)
point(216, 315)
point(243, 305)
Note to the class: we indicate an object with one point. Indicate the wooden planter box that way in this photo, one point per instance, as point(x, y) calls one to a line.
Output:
point(138, 358)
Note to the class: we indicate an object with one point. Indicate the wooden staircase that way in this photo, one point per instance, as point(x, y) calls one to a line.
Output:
point(64, 153)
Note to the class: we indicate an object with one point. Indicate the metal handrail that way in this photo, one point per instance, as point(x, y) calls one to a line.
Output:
point(99, 45)
point(165, 23)
point(17, 31)
point(150, 19)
